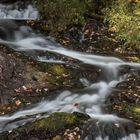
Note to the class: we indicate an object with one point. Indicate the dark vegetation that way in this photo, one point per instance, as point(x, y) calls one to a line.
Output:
point(121, 16)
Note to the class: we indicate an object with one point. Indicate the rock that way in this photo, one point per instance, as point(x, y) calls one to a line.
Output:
point(21, 79)
point(52, 127)
point(11, 76)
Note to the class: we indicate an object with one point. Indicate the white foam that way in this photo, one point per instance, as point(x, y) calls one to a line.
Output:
point(13, 11)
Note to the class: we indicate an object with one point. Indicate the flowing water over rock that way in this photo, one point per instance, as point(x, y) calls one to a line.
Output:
point(89, 100)
point(17, 10)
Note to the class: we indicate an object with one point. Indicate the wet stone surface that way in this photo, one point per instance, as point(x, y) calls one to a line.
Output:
point(25, 81)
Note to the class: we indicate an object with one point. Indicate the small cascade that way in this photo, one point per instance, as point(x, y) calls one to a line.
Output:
point(90, 100)
point(17, 10)
point(111, 129)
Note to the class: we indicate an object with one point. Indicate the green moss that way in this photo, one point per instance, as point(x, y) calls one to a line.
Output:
point(56, 121)
point(60, 120)
point(53, 68)
point(51, 74)
point(58, 70)
point(136, 110)
point(132, 110)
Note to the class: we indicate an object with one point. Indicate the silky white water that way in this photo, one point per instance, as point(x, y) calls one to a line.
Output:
point(17, 11)
point(88, 100)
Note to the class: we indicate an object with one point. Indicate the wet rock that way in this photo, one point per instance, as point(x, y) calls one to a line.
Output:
point(21, 79)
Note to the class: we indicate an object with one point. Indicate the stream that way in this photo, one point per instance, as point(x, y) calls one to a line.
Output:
point(89, 100)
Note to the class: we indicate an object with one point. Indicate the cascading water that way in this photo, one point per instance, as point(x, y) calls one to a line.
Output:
point(18, 10)
point(89, 100)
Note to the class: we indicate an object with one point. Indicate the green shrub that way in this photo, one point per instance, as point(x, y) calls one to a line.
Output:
point(61, 13)
point(124, 19)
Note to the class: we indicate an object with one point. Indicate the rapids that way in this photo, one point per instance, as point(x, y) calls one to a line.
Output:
point(90, 100)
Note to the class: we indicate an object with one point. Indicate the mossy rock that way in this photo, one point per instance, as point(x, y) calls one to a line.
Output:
point(51, 76)
point(132, 110)
point(46, 128)
point(60, 120)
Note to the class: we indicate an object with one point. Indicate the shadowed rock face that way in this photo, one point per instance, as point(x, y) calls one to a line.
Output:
point(11, 76)
point(7, 28)
point(9, 69)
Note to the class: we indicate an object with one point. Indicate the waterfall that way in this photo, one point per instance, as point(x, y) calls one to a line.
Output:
point(18, 10)
point(89, 100)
